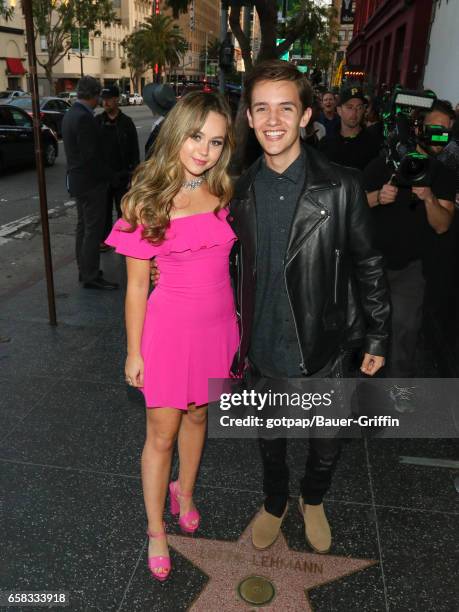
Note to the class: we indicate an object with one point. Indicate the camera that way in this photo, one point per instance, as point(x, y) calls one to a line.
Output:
point(400, 120)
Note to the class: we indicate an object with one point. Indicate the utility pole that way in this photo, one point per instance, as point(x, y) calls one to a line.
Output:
point(33, 86)
point(80, 52)
point(205, 64)
point(223, 30)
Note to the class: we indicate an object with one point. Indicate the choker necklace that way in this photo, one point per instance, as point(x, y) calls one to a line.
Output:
point(193, 183)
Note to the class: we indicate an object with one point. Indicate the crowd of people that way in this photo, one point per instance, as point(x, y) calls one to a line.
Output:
point(331, 259)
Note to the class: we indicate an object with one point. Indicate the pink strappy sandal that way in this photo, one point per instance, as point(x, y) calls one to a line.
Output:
point(189, 522)
point(160, 565)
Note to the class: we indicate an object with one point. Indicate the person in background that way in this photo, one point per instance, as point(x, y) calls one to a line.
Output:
point(313, 133)
point(160, 99)
point(88, 177)
point(354, 145)
point(410, 226)
point(121, 147)
point(329, 117)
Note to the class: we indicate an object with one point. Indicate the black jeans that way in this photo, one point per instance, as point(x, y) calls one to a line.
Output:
point(320, 462)
point(91, 218)
point(407, 295)
point(114, 196)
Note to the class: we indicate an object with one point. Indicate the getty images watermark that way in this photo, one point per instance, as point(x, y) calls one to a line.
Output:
point(348, 407)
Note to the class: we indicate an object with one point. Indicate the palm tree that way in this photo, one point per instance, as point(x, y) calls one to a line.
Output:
point(162, 42)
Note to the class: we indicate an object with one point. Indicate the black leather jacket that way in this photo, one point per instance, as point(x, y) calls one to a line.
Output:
point(334, 278)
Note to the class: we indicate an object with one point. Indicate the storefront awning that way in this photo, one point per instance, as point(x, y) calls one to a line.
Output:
point(14, 65)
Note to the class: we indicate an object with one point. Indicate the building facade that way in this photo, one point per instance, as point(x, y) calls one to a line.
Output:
point(201, 27)
point(390, 40)
point(13, 65)
point(104, 57)
point(441, 72)
point(344, 27)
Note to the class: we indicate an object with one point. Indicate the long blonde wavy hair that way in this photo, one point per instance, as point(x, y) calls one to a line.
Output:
point(158, 180)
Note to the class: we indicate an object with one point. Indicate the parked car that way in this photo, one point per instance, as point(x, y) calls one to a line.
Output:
point(52, 110)
point(17, 141)
point(10, 94)
point(135, 98)
point(68, 96)
point(124, 99)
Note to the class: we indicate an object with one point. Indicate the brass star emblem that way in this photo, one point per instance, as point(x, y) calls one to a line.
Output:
point(292, 573)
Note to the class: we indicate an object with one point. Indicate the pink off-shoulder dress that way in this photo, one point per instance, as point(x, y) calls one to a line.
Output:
point(190, 333)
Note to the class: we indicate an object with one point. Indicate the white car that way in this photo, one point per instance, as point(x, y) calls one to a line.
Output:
point(11, 94)
point(135, 98)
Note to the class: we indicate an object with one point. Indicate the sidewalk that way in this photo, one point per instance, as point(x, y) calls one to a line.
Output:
point(70, 442)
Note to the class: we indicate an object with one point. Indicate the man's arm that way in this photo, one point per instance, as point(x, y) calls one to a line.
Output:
point(134, 157)
point(369, 273)
point(439, 212)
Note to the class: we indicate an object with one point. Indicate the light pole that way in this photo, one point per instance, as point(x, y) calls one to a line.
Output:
point(205, 61)
point(207, 53)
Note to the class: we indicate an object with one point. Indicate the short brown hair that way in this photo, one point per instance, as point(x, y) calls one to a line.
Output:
point(278, 70)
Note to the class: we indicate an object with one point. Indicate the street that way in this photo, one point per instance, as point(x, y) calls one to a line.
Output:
point(21, 252)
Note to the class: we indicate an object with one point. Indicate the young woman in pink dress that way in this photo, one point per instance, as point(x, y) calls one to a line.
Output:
point(186, 331)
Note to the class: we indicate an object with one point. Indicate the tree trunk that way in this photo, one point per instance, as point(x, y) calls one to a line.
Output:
point(49, 76)
point(242, 39)
point(267, 14)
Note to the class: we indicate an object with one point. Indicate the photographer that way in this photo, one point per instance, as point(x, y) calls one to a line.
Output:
point(410, 224)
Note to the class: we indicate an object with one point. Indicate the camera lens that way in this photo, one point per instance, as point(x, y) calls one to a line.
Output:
point(413, 168)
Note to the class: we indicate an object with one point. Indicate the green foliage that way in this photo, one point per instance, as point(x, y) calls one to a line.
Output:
point(160, 41)
point(308, 22)
point(133, 47)
point(6, 11)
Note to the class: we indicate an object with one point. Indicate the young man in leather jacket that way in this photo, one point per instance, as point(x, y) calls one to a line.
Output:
point(309, 282)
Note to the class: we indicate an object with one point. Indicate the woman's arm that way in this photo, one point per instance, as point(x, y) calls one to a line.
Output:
point(138, 272)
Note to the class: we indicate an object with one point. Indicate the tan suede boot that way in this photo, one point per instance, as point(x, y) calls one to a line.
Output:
point(316, 527)
point(266, 528)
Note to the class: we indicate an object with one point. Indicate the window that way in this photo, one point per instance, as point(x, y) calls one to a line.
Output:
point(5, 116)
point(342, 35)
point(52, 105)
point(43, 43)
point(21, 119)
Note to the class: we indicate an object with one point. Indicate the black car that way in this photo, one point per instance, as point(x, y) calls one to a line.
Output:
point(17, 142)
point(52, 110)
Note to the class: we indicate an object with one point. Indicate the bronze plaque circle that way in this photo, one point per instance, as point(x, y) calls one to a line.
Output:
point(256, 590)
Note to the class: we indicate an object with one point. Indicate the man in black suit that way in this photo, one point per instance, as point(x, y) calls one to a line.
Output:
point(88, 177)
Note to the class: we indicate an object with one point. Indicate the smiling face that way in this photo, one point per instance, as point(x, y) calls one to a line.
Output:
point(276, 115)
point(201, 151)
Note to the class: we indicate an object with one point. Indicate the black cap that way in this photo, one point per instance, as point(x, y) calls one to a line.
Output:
point(349, 93)
point(159, 98)
point(111, 91)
